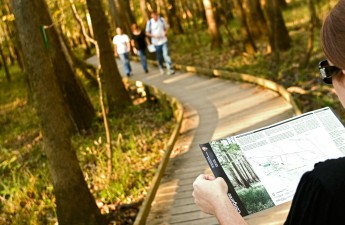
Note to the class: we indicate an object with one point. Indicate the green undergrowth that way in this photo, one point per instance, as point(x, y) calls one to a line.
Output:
point(138, 139)
point(288, 68)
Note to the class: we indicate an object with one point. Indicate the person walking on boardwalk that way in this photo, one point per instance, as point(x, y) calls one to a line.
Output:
point(139, 45)
point(157, 29)
point(320, 195)
point(121, 48)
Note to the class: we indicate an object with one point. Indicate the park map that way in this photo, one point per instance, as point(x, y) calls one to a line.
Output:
point(272, 159)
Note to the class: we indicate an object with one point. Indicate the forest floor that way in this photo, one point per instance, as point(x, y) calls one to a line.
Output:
point(23, 197)
point(139, 137)
point(301, 79)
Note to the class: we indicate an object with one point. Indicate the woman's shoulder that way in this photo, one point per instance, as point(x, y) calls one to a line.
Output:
point(331, 174)
point(330, 165)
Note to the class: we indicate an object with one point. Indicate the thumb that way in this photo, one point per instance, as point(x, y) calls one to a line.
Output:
point(222, 183)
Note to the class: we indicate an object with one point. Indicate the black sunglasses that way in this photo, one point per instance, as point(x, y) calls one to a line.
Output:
point(327, 71)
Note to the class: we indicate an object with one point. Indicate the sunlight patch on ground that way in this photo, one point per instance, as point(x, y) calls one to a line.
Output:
point(177, 78)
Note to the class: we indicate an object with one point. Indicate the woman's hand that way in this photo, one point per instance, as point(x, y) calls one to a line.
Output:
point(210, 195)
point(208, 192)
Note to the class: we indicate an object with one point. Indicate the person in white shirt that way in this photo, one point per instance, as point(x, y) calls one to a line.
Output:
point(157, 29)
point(121, 48)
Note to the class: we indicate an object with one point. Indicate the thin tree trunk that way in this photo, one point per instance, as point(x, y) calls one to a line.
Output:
point(144, 11)
point(278, 33)
point(79, 104)
point(248, 41)
point(117, 96)
point(101, 94)
point(175, 22)
point(3, 58)
point(80, 63)
point(127, 10)
point(314, 21)
point(212, 25)
point(75, 203)
point(124, 15)
point(114, 13)
point(106, 125)
point(255, 18)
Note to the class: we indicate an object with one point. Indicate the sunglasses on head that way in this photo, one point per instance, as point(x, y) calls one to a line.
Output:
point(327, 71)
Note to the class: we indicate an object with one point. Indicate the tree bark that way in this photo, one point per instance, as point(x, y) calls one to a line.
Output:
point(126, 18)
point(117, 96)
point(314, 21)
point(4, 63)
point(75, 203)
point(79, 104)
point(212, 25)
point(248, 41)
point(144, 11)
point(128, 11)
point(175, 22)
point(255, 18)
point(114, 13)
point(278, 34)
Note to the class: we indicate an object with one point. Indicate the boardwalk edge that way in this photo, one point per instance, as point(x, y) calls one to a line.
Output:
point(146, 206)
point(268, 84)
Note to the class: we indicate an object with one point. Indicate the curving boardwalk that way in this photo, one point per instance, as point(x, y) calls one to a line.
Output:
point(214, 108)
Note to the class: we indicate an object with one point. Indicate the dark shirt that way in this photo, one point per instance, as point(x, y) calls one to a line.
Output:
point(139, 40)
point(320, 196)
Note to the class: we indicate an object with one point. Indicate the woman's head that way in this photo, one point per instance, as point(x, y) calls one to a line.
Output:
point(134, 27)
point(333, 44)
point(333, 35)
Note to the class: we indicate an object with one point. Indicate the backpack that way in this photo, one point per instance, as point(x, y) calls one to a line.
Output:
point(159, 18)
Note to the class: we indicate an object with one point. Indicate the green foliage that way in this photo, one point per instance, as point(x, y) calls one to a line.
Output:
point(255, 198)
point(138, 141)
point(26, 192)
point(289, 69)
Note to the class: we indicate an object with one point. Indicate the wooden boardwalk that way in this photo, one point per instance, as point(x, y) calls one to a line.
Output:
point(214, 108)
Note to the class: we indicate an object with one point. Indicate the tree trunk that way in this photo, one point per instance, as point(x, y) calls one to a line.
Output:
point(278, 33)
point(75, 203)
point(248, 41)
point(117, 96)
point(81, 64)
point(144, 12)
point(175, 22)
point(128, 11)
point(255, 18)
point(126, 18)
point(7, 72)
point(114, 13)
point(9, 33)
point(314, 21)
point(79, 104)
point(201, 11)
point(224, 16)
point(212, 25)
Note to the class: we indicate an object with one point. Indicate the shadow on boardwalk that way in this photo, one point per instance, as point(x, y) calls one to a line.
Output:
point(214, 108)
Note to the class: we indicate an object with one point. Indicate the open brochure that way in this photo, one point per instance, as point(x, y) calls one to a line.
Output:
point(263, 167)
